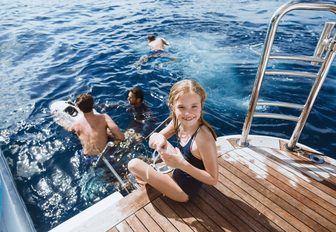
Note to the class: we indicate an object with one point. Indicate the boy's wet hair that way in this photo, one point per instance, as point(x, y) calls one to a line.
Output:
point(138, 92)
point(85, 102)
point(151, 37)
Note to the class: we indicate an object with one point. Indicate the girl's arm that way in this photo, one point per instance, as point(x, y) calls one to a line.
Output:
point(159, 140)
point(168, 131)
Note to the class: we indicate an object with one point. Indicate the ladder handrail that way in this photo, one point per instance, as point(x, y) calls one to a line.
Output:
point(276, 116)
point(264, 60)
point(280, 104)
point(300, 58)
point(311, 98)
point(292, 73)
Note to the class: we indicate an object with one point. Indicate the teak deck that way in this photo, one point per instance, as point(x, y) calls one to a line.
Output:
point(260, 188)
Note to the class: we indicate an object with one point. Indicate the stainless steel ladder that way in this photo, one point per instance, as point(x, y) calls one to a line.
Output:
point(323, 56)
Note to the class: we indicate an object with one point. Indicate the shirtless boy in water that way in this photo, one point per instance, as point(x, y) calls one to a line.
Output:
point(156, 44)
point(93, 129)
point(157, 47)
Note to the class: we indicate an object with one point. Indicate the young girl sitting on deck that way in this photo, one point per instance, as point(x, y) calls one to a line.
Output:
point(195, 161)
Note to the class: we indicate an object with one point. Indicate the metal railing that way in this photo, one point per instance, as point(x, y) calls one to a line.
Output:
point(323, 55)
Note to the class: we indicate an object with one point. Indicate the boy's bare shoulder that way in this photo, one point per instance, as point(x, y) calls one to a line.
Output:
point(104, 116)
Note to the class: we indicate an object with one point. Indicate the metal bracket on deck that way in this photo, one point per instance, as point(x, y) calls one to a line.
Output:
point(245, 144)
point(295, 148)
point(315, 158)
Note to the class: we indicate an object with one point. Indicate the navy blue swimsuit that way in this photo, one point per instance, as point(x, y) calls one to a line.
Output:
point(187, 183)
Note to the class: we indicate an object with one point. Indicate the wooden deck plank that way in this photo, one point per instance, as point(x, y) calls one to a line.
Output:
point(187, 217)
point(213, 214)
point(225, 188)
point(330, 194)
point(244, 193)
point(148, 221)
point(276, 175)
point(296, 197)
point(274, 194)
point(202, 217)
point(327, 166)
point(135, 224)
point(130, 204)
point(160, 219)
point(113, 229)
point(171, 215)
point(124, 227)
point(262, 196)
point(290, 177)
point(295, 177)
point(234, 208)
point(297, 159)
point(304, 163)
point(224, 212)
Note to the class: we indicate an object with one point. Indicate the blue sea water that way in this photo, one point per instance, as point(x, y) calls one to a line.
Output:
point(52, 50)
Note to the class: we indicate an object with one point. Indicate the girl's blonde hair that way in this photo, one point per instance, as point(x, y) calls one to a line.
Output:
point(184, 87)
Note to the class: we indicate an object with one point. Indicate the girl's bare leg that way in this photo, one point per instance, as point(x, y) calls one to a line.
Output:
point(162, 182)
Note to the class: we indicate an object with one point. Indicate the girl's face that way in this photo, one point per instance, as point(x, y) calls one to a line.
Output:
point(188, 109)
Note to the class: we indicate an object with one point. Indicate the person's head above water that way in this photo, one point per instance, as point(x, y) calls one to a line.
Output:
point(135, 96)
point(150, 37)
point(84, 102)
point(156, 44)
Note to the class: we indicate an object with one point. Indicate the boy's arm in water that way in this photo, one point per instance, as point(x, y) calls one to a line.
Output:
point(165, 42)
point(114, 129)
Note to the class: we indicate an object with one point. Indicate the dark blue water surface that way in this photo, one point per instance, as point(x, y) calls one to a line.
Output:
point(53, 50)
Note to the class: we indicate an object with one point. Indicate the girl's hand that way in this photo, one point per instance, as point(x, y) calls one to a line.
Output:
point(172, 157)
point(158, 142)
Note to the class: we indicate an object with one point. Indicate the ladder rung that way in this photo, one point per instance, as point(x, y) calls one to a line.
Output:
point(276, 116)
point(281, 104)
point(301, 58)
point(291, 73)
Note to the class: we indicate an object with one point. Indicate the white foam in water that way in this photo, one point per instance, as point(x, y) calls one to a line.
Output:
point(43, 188)
point(27, 169)
point(215, 66)
point(31, 159)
